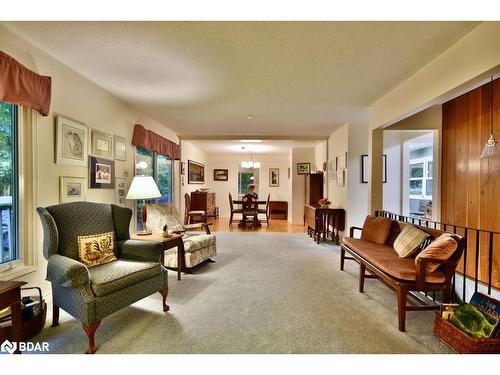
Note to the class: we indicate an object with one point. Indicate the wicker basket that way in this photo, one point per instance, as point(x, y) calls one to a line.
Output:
point(461, 342)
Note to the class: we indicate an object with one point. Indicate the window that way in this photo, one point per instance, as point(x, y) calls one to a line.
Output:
point(420, 185)
point(247, 176)
point(8, 183)
point(160, 167)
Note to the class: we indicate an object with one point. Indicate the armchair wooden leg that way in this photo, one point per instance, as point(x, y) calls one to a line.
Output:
point(342, 258)
point(164, 294)
point(401, 308)
point(90, 330)
point(55, 315)
point(362, 269)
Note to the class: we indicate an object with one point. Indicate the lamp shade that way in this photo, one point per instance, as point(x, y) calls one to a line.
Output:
point(143, 187)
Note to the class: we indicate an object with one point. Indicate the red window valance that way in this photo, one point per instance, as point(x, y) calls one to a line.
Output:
point(154, 142)
point(19, 85)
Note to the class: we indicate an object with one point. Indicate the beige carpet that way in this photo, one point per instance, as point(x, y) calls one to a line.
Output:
point(267, 293)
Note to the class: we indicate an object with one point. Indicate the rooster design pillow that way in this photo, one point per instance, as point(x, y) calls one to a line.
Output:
point(96, 249)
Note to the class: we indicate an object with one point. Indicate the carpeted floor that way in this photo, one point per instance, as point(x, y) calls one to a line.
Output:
point(267, 293)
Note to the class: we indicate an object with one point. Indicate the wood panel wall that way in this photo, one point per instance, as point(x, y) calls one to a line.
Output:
point(470, 186)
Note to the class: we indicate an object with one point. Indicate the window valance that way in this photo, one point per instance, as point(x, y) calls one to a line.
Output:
point(154, 142)
point(19, 85)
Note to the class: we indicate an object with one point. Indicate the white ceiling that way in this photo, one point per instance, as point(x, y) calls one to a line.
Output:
point(204, 78)
point(244, 147)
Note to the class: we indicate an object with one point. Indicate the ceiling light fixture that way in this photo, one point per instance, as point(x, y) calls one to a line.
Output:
point(250, 164)
point(492, 148)
point(250, 141)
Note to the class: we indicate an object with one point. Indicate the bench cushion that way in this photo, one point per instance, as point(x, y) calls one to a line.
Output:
point(388, 261)
point(376, 229)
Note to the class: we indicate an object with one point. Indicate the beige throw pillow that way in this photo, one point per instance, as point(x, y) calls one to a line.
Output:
point(409, 240)
point(96, 249)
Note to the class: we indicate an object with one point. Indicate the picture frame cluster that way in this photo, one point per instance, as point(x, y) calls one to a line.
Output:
point(78, 145)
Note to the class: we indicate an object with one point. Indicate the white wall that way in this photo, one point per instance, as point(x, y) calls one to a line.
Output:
point(353, 196)
point(357, 192)
point(191, 152)
point(320, 157)
point(80, 99)
point(299, 155)
point(231, 162)
point(392, 189)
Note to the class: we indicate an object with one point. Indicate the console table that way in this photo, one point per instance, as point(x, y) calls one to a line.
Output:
point(318, 220)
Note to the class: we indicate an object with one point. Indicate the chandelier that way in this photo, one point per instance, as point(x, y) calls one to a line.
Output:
point(250, 164)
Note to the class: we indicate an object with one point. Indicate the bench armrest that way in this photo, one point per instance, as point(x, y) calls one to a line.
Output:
point(67, 272)
point(422, 262)
point(351, 231)
point(140, 250)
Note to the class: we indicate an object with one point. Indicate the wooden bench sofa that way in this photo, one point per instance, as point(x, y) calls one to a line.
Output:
point(405, 276)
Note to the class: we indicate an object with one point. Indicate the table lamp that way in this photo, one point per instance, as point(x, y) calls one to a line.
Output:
point(143, 188)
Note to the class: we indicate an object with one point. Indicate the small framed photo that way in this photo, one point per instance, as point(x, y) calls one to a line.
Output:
point(303, 168)
point(342, 160)
point(196, 172)
point(120, 148)
point(121, 190)
point(71, 142)
point(72, 189)
point(221, 174)
point(102, 144)
point(340, 177)
point(102, 173)
point(274, 177)
point(183, 168)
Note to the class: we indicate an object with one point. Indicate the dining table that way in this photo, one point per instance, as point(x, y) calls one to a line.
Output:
point(256, 222)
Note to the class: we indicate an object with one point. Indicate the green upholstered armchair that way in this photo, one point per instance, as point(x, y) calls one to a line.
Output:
point(91, 293)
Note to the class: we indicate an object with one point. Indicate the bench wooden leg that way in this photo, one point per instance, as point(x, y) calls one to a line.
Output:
point(362, 270)
point(401, 292)
point(342, 258)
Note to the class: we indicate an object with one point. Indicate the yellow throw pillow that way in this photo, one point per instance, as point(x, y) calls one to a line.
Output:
point(96, 249)
point(409, 240)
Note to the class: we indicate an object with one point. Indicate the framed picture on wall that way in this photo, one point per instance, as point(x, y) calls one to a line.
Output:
point(101, 173)
point(121, 190)
point(303, 168)
point(365, 165)
point(221, 174)
point(72, 189)
point(342, 160)
point(196, 172)
point(71, 142)
point(274, 177)
point(102, 144)
point(120, 148)
point(340, 177)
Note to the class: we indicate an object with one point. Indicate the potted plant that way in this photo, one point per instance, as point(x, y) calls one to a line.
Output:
point(324, 202)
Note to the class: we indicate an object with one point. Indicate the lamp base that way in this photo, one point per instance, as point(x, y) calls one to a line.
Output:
point(144, 233)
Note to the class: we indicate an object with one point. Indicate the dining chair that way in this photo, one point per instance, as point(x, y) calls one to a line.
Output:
point(233, 210)
point(265, 210)
point(189, 215)
point(250, 209)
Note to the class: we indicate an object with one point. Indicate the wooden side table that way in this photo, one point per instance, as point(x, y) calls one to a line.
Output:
point(167, 243)
point(10, 296)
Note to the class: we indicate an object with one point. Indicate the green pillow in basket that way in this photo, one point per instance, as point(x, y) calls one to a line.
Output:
point(472, 321)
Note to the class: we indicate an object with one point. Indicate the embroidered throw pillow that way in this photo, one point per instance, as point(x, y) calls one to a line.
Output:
point(442, 247)
point(96, 249)
point(408, 241)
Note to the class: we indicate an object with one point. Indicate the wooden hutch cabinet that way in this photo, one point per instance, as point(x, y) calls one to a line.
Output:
point(204, 201)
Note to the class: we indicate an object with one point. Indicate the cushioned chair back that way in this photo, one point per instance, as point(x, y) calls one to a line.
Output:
point(160, 215)
point(79, 219)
